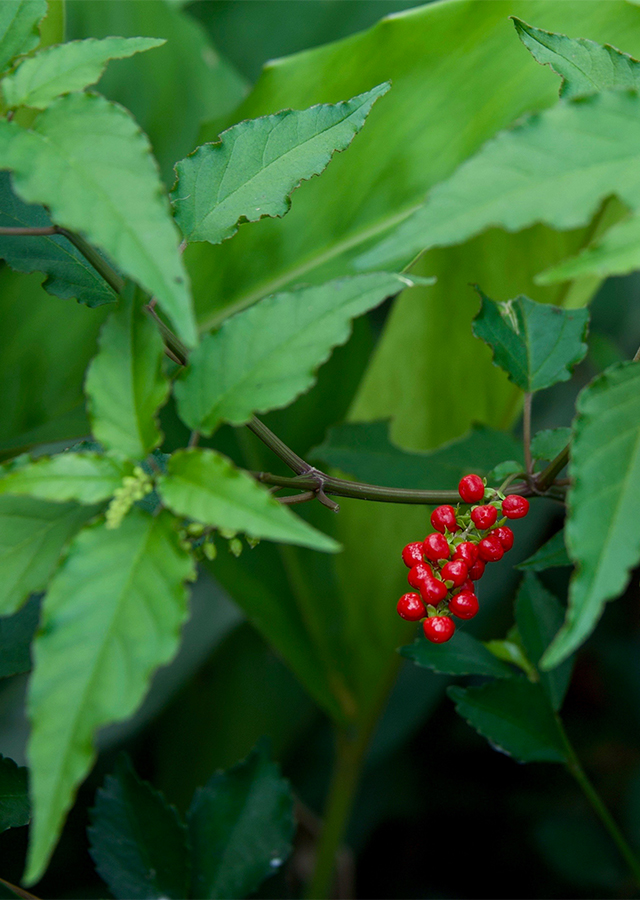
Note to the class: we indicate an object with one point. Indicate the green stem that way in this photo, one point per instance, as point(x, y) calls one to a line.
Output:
point(526, 432)
point(92, 256)
point(286, 454)
point(547, 476)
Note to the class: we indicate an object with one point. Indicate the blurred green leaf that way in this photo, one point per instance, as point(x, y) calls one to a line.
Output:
point(549, 443)
point(616, 253)
point(241, 827)
point(16, 633)
point(256, 166)
point(536, 344)
point(67, 67)
point(514, 715)
point(125, 382)
point(14, 794)
point(266, 356)
point(581, 852)
point(465, 655)
point(85, 477)
point(604, 351)
point(19, 28)
point(112, 615)
point(137, 841)
point(603, 531)
point(552, 554)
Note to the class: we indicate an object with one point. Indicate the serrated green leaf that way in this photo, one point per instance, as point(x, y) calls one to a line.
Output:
point(536, 344)
point(465, 655)
point(363, 449)
point(67, 67)
point(125, 382)
point(509, 467)
point(112, 615)
point(539, 615)
point(241, 826)
point(551, 555)
point(256, 166)
point(86, 477)
point(206, 486)
point(549, 443)
point(113, 197)
point(514, 715)
point(137, 841)
point(33, 534)
point(603, 529)
point(18, 28)
point(617, 252)
point(584, 66)
point(14, 795)
point(264, 357)
point(16, 634)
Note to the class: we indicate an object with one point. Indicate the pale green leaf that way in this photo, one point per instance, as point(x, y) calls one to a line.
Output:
point(67, 67)
point(256, 166)
point(465, 655)
point(552, 554)
point(88, 162)
point(125, 382)
point(549, 443)
point(85, 477)
point(603, 529)
point(14, 794)
point(617, 252)
point(112, 615)
point(207, 487)
point(18, 28)
point(264, 357)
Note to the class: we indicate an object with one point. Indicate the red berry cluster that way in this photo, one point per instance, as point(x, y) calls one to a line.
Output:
point(444, 567)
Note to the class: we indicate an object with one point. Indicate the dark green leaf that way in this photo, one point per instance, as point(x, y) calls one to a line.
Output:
point(465, 655)
point(14, 795)
point(138, 843)
point(16, 634)
point(514, 715)
point(551, 555)
point(19, 28)
point(578, 848)
point(549, 443)
point(241, 826)
point(85, 477)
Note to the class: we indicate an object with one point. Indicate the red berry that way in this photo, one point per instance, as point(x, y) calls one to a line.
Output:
point(455, 570)
point(515, 507)
point(444, 518)
point(419, 573)
point(411, 607)
point(468, 585)
point(471, 488)
point(484, 517)
point(432, 590)
point(477, 570)
point(466, 551)
point(505, 536)
point(464, 605)
point(490, 549)
point(412, 554)
point(438, 629)
point(436, 547)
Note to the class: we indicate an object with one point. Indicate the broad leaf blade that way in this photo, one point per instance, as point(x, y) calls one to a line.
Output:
point(465, 655)
point(617, 252)
point(551, 555)
point(549, 443)
point(603, 530)
point(18, 28)
point(114, 198)
point(536, 344)
point(14, 795)
point(257, 165)
point(206, 486)
point(112, 615)
point(137, 841)
point(125, 382)
point(241, 826)
point(86, 477)
point(67, 67)
point(16, 633)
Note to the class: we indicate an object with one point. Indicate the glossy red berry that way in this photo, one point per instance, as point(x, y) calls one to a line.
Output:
point(505, 536)
point(436, 547)
point(464, 605)
point(468, 585)
point(444, 518)
point(432, 590)
point(411, 607)
point(477, 570)
point(515, 507)
point(471, 488)
point(490, 549)
point(438, 629)
point(466, 551)
point(484, 517)
point(419, 573)
point(412, 554)
point(456, 570)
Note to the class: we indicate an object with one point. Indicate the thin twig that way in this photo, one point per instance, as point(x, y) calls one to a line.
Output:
point(273, 442)
point(297, 498)
point(29, 232)
point(194, 437)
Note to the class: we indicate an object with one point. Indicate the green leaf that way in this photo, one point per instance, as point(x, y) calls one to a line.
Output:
point(465, 655)
point(256, 166)
point(137, 841)
point(114, 198)
point(206, 486)
point(241, 827)
point(539, 616)
point(514, 715)
point(112, 615)
point(14, 795)
point(603, 530)
point(85, 477)
point(33, 534)
point(551, 555)
point(67, 67)
point(16, 634)
point(549, 443)
point(125, 382)
point(536, 344)
point(584, 66)
point(363, 449)
point(18, 28)
point(266, 356)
